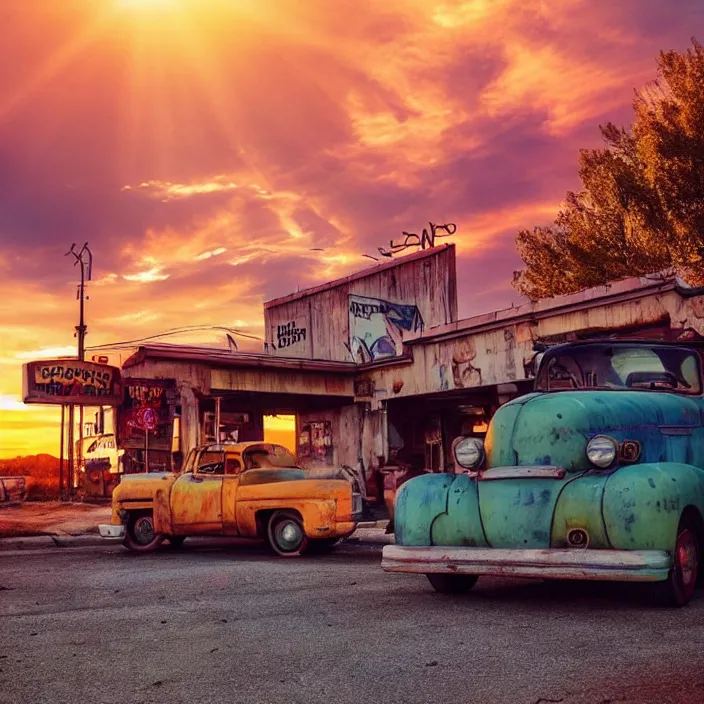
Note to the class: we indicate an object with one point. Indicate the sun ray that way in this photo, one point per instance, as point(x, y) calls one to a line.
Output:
point(58, 62)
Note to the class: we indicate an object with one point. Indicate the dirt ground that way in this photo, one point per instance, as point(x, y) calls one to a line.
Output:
point(52, 518)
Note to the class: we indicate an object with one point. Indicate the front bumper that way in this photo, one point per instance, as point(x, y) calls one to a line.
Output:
point(111, 531)
point(609, 565)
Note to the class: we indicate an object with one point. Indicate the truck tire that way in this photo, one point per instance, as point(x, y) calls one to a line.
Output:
point(679, 586)
point(286, 534)
point(139, 532)
point(452, 583)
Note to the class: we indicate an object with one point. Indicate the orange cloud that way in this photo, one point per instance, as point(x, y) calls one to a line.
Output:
point(218, 153)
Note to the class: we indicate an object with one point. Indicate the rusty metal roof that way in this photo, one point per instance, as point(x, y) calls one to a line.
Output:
point(612, 293)
point(370, 271)
point(225, 358)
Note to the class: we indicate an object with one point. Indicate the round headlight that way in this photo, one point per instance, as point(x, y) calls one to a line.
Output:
point(601, 451)
point(469, 452)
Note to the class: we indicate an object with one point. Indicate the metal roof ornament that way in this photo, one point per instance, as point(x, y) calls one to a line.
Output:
point(425, 240)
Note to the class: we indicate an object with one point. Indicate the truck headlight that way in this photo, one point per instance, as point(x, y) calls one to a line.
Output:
point(468, 452)
point(602, 451)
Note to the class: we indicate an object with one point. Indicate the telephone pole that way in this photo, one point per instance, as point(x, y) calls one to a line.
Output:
point(84, 257)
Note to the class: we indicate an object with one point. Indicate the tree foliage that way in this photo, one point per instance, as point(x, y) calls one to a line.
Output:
point(641, 206)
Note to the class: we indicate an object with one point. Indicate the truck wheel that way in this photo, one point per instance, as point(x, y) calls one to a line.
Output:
point(452, 583)
point(139, 533)
point(286, 534)
point(679, 586)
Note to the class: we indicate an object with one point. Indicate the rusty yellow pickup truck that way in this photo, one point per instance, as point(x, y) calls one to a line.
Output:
point(250, 490)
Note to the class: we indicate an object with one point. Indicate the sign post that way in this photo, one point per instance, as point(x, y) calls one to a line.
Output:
point(61, 454)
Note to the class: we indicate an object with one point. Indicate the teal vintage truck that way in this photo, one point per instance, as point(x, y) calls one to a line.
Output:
point(598, 474)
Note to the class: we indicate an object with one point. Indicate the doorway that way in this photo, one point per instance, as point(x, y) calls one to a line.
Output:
point(281, 430)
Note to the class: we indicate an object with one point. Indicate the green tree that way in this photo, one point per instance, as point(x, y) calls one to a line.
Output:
point(641, 206)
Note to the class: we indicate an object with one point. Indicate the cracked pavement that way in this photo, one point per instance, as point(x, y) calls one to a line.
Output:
point(227, 622)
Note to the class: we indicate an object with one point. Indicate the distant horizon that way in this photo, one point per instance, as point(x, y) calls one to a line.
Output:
point(279, 430)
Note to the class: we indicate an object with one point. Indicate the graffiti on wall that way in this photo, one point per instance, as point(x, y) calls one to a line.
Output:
point(289, 334)
point(377, 327)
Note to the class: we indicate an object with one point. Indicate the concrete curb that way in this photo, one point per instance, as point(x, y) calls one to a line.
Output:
point(33, 542)
point(40, 542)
point(373, 524)
point(79, 541)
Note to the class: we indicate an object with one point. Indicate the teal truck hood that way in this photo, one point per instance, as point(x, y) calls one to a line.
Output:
point(554, 428)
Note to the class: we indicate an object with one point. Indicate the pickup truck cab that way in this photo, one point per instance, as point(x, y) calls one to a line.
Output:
point(598, 474)
point(251, 490)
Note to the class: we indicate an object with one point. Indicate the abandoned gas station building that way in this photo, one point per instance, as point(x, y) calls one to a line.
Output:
point(378, 361)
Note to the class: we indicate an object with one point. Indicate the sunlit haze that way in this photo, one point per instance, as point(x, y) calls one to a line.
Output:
point(218, 153)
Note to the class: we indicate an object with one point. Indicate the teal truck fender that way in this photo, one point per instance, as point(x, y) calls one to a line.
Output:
point(418, 503)
point(439, 509)
point(643, 504)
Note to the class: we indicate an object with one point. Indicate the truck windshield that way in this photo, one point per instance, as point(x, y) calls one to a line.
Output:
point(622, 366)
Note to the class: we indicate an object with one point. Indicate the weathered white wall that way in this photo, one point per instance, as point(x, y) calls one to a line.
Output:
point(497, 356)
point(190, 427)
point(428, 282)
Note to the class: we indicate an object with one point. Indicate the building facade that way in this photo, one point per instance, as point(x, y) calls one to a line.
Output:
point(376, 364)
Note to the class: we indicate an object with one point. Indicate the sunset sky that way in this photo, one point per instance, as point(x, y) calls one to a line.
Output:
point(204, 148)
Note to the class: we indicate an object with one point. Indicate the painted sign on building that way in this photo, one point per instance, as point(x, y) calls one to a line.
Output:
point(377, 326)
point(289, 334)
point(62, 381)
point(315, 442)
point(146, 409)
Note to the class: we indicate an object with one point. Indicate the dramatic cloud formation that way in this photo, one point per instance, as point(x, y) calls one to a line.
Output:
point(217, 153)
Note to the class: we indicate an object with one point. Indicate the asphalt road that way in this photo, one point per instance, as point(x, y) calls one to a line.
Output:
point(234, 624)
